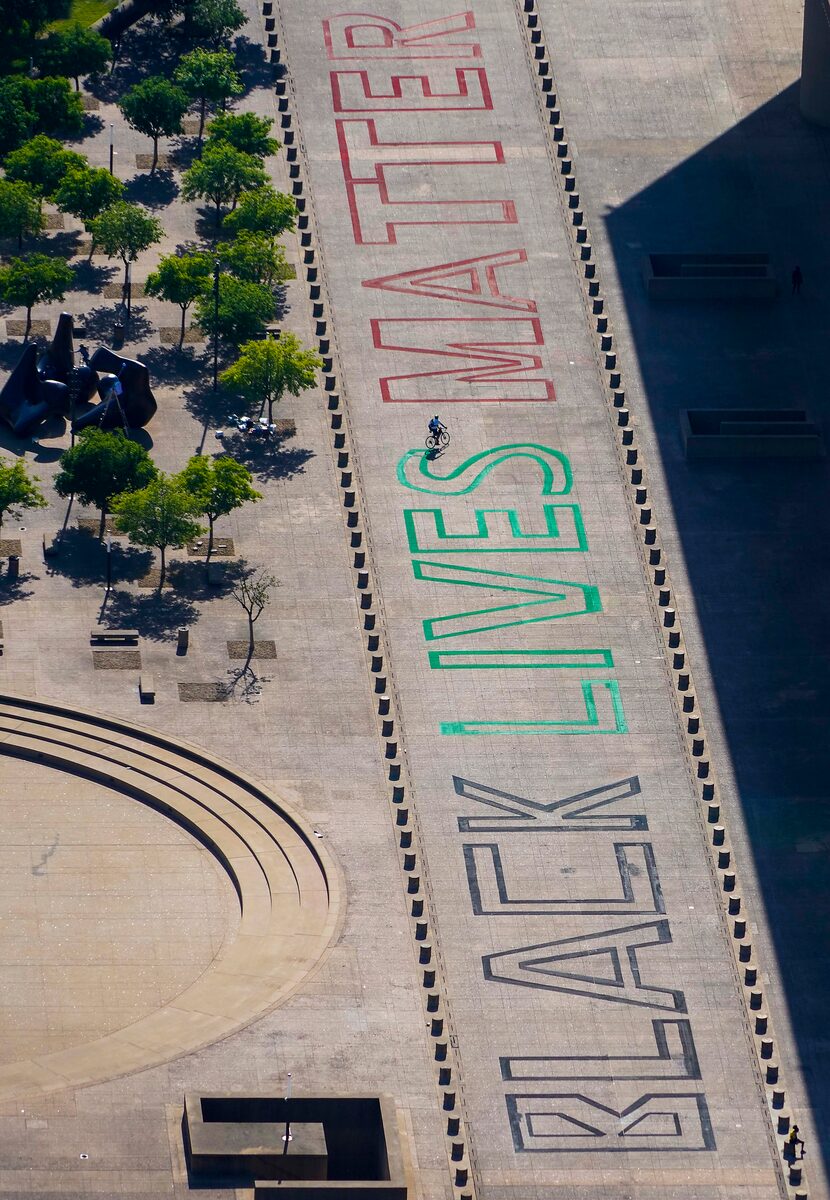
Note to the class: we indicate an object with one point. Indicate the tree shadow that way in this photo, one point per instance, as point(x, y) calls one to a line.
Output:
point(60, 243)
point(267, 459)
point(206, 228)
point(191, 581)
point(156, 617)
point(168, 364)
point(243, 683)
point(92, 277)
point(16, 589)
point(82, 559)
point(92, 124)
point(184, 151)
point(253, 65)
point(100, 324)
point(153, 191)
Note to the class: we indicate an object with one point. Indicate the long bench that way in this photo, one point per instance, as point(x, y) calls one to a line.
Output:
point(100, 634)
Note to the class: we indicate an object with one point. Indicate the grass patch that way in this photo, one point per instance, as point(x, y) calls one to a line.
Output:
point(85, 11)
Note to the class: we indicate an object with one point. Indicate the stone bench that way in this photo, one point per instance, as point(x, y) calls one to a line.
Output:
point(749, 433)
point(689, 276)
point(100, 634)
point(147, 689)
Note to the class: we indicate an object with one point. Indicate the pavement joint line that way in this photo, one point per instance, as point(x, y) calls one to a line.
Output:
point(413, 865)
point(761, 1040)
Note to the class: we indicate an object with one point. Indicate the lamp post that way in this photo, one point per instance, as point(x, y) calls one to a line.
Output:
point(109, 562)
point(112, 148)
point(216, 324)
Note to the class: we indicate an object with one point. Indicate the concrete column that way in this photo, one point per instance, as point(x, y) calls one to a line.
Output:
point(815, 63)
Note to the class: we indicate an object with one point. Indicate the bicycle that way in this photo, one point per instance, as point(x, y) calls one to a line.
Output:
point(438, 441)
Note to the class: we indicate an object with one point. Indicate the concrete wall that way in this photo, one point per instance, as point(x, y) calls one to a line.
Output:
point(815, 62)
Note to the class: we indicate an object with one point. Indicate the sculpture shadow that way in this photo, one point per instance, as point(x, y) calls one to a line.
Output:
point(153, 191)
point(156, 617)
point(749, 531)
point(82, 559)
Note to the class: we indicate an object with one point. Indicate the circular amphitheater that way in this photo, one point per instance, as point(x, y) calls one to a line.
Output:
point(133, 933)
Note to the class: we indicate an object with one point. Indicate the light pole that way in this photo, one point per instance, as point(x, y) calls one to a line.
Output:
point(109, 562)
point(216, 324)
point(112, 148)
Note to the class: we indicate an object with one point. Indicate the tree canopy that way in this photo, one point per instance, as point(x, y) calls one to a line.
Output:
point(124, 230)
point(20, 212)
point(208, 77)
point(244, 131)
point(213, 21)
point(103, 464)
point(180, 279)
point(155, 107)
point(42, 163)
point(266, 369)
point(18, 489)
point(221, 175)
point(255, 257)
point(87, 191)
point(22, 20)
point(73, 50)
point(262, 210)
point(160, 515)
point(218, 486)
point(33, 280)
point(244, 310)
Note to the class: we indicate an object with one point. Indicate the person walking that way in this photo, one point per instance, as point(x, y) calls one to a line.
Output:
point(797, 280)
point(794, 1140)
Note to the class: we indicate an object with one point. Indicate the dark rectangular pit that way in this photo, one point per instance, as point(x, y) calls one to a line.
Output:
point(685, 276)
point(749, 433)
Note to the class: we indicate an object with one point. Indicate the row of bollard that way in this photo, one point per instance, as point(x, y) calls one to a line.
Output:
point(760, 1021)
point(405, 827)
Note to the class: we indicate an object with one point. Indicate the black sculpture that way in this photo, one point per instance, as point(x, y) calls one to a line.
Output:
point(40, 386)
point(127, 401)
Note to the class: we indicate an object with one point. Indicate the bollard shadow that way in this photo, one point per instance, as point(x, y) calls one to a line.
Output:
point(749, 531)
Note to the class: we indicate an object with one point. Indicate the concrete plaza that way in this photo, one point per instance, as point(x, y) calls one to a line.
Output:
point(491, 698)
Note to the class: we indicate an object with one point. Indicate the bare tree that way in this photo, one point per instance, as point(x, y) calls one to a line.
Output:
point(253, 592)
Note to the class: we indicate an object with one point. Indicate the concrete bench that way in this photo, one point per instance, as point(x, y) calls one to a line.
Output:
point(113, 635)
point(147, 689)
point(749, 433)
point(688, 276)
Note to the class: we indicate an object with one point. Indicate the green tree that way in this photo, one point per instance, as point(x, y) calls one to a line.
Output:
point(103, 464)
point(155, 107)
point(262, 210)
point(17, 124)
point(253, 592)
point(221, 175)
point(86, 193)
point(244, 310)
point(33, 280)
point(255, 257)
point(244, 131)
point(55, 108)
point(180, 280)
point(208, 77)
point(21, 20)
point(213, 21)
point(19, 211)
point(124, 230)
point(42, 163)
point(218, 486)
point(18, 490)
point(160, 515)
point(267, 369)
point(73, 50)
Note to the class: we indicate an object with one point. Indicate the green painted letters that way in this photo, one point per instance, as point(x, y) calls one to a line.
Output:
point(557, 598)
point(590, 724)
point(533, 660)
point(554, 466)
point(427, 526)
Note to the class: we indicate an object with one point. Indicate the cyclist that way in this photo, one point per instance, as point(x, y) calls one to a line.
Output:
point(436, 427)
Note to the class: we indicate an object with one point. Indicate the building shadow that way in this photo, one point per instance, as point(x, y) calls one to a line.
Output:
point(754, 534)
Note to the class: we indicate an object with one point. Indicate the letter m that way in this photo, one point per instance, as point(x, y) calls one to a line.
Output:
point(485, 359)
